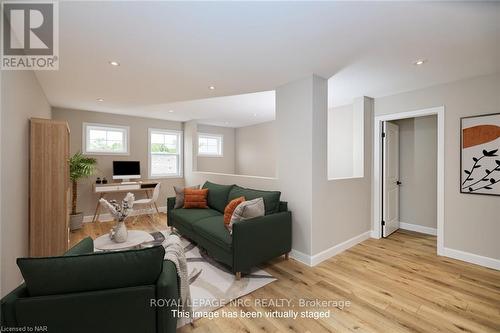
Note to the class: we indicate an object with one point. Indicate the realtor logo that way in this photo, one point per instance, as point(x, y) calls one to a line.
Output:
point(30, 36)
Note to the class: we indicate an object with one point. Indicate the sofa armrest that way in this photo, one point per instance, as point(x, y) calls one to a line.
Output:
point(167, 289)
point(170, 203)
point(260, 239)
point(124, 310)
point(85, 246)
point(7, 306)
point(170, 207)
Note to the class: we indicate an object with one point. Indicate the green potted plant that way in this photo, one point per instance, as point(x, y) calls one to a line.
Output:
point(80, 166)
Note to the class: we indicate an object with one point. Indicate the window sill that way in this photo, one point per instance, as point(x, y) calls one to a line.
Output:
point(166, 177)
point(208, 155)
point(233, 175)
point(105, 153)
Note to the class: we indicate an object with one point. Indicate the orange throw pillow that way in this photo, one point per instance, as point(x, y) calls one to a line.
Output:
point(231, 206)
point(195, 198)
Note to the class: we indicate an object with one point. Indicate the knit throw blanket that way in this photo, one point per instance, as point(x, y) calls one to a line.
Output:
point(174, 252)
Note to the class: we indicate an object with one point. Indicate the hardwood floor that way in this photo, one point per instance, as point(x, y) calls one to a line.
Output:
point(396, 284)
point(97, 229)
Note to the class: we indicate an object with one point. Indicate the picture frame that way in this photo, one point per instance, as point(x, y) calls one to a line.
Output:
point(480, 154)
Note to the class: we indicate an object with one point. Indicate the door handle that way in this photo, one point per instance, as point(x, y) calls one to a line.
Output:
point(398, 182)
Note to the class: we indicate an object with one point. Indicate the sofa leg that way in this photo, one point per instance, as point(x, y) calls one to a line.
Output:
point(238, 275)
point(287, 255)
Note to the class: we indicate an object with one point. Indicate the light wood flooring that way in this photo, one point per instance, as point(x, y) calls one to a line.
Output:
point(97, 229)
point(396, 284)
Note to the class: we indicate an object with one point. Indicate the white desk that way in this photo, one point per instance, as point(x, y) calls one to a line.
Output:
point(103, 189)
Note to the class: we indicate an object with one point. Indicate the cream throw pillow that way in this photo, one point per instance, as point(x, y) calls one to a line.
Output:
point(247, 210)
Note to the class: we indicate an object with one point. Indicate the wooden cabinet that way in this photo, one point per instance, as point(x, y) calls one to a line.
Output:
point(49, 187)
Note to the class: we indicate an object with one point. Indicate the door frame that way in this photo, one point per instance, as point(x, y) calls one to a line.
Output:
point(377, 169)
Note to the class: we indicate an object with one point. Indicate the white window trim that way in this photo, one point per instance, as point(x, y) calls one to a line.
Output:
point(181, 153)
point(126, 130)
point(211, 135)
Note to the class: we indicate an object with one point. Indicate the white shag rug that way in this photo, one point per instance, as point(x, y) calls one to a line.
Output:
point(212, 284)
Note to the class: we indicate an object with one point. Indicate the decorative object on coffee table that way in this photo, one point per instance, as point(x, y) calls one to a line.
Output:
point(80, 166)
point(119, 212)
point(480, 161)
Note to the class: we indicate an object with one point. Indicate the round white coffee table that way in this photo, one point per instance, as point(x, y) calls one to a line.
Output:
point(134, 239)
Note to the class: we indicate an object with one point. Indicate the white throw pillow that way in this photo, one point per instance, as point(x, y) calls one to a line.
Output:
point(247, 210)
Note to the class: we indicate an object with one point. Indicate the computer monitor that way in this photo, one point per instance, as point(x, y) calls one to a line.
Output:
point(126, 170)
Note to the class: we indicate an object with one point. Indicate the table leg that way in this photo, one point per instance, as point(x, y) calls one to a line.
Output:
point(97, 212)
point(147, 195)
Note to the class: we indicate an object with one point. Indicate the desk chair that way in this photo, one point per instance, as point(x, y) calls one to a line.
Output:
point(149, 203)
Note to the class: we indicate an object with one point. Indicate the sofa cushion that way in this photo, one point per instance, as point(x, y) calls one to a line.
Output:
point(247, 210)
point(179, 195)
point(213, 229)
point(195, 198)
point(217, 195)
point(187, 217)
point(88, 272)
point(231, 206)
point(271, 198)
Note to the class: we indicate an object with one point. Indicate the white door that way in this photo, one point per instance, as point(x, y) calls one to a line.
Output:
point(391, 179)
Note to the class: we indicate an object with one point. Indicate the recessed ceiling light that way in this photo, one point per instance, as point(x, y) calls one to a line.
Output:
point(211, 88)
point(419, 62)
point(226, 122)
point(114, 63)
point(170, 111)
point(255, 114)
point(100, 99)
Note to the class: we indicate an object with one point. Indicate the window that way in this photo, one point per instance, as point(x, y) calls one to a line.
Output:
point(210, 144)
point(105, 139)
point(165, 153)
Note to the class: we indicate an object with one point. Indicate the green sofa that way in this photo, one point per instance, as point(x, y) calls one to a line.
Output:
point(103, 292)
point(253, 241)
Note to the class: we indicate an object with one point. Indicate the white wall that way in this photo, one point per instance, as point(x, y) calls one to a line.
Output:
point(22, 98)
point(342, 208)
point(340, 143)
point(256, 150)
point(226, 163)
point(471, 222)
point(345, 142)
point(418, 170)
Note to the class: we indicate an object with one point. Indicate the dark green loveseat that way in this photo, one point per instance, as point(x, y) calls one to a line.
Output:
point(82, 292)
point(253, 241)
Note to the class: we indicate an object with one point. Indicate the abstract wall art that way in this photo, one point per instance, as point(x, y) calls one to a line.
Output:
point(480, 154)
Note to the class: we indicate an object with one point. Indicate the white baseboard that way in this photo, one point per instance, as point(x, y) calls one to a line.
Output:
point(301, 257)
point(328, 253)
point(418, 228)
point(472, 258)
point(108, 217)
point(334, 250)
point(374, 234)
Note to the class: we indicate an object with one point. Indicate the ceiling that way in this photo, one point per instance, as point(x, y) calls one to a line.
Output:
point(171, 52)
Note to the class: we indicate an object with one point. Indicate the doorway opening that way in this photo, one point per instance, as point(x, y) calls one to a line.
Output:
point(409, 173)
